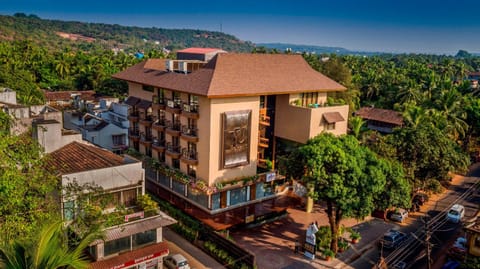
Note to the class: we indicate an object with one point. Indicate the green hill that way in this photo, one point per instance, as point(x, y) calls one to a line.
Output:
point(52, 33)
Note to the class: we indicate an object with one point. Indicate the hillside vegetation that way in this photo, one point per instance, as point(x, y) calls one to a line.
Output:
point(130, 38)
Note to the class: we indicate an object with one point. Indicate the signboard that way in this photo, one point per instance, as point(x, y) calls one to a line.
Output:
point(141, 259)
point(134, 215)
point(235, 138)
point(310, 239)
point(249, 218)
point(270, 177)
point(309, 250)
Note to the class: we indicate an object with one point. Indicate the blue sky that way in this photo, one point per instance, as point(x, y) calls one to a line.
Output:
point(441, 27)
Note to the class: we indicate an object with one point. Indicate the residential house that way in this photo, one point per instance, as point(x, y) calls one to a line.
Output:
point(135, 240)
point(382, 120)
point(212, 127)
point(473, 235)
point(107, 128)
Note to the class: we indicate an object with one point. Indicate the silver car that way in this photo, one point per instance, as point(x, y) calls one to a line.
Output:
point(176, 261)
point(399, 215)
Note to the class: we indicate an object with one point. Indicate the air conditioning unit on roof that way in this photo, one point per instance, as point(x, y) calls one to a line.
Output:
point(182, 67)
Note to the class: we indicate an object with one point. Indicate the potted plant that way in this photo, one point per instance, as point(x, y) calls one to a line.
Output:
point(328, 254)
point(342, 245)
point(355, 237)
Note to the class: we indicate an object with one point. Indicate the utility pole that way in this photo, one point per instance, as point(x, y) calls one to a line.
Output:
point(427, 241)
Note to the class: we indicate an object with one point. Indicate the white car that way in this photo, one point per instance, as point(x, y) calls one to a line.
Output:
point(176, 261)
point(399, 215)
point(456, 213)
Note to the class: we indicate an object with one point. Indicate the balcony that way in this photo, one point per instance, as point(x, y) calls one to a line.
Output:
point(158, 145)
point(189, 134)
point(158, 103)
point(190, 111)
point(145, 140)
point(134, 134)
point(173, 151)
point(146, 120)
point(174, 106)
point(173, 128)
point(264, 120)
point(263, 142)
point(189, 156)
point(160, 124)
point(133, 116)
point(298, 123)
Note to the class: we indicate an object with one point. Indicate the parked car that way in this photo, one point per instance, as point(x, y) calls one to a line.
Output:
point(393, 238)
point(399, 215)
point(458, 250)
point(456, 213)
point(176, 261)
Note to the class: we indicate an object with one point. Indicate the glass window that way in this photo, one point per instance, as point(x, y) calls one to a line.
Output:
point(216, 201)
point(330, 126)
point(144, 238)
point(164, 180)
point(238, 196)
point(68, 210)
point(178, 187)
point(116, 246)
point(176, 163)
point(263, 190)
point(198, 197)
point(147, 88)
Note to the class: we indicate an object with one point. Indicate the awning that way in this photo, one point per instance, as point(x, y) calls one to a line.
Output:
point(134, 257)
point(135, 227)
point(131, 101)
point(332, 117)
point(144, 104)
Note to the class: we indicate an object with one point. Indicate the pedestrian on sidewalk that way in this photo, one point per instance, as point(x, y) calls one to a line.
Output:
point(297, 246)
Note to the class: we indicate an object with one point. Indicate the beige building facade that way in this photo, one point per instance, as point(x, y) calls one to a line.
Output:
point(210, 133)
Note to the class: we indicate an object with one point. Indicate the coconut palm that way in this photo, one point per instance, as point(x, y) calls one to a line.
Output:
point(49, 251)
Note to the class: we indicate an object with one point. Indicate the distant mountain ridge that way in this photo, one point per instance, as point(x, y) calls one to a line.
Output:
point(314, 49)
point(43, 31)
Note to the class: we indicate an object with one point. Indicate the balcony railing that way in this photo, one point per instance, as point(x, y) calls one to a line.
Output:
point(190, 110)
point(133, 132)
point(263, 142)
point(173, 150)
point(133, 116)
point(145, 139)
point(174, 127)
point(189, 156)
point(146, 120)
point(160, 124)
point(158, 103)
point(158, 145)
point(190, 133)
point(174, 106)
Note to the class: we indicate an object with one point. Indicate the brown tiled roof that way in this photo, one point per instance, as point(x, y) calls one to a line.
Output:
point(77, 157)
point(132, 100)
point(144, 104)
point(332, 117)
point(127, 259)
point(230, 74)
point(199, 50)
point(67, 95)
point(382, 115)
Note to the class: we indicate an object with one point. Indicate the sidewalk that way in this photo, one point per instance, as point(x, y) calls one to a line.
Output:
point(195, 256)
point(273, 243)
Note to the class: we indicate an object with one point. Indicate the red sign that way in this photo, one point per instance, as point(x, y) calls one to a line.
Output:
point(141, 259)
point(134, 215)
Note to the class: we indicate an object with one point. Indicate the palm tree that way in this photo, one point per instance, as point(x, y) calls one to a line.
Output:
point(356, 124)
point(49, 251)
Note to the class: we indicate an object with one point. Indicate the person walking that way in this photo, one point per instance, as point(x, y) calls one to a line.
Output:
point(297, 246)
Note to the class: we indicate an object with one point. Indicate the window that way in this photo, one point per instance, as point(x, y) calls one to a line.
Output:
point(116, 246)
point(118, 139)
point(176, 163)
point(238, 196)
point(178, 187)
point(144, 238)
point(198, 197)
point(130, 197)
point(68, 210)
point(263, 190)
point(330, 126)
point(192, 170)
point(216, 201)
point(147, 88)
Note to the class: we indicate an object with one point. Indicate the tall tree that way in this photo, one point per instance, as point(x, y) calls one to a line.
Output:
point(344, 174)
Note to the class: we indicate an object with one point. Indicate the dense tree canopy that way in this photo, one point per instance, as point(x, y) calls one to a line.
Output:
point(349, 177)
